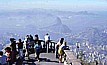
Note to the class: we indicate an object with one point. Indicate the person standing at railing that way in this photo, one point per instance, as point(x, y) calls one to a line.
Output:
point(37, 47)
point(31, 37)
point(36, 38)
point(20, 48)
point(27, 46)
point(47, 40)
point(13, 48)
point(57, 47)
point(31, 41)
point(61, 51)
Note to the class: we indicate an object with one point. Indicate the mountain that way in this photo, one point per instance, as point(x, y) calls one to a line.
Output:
point(30, 21)
point(15, 20)
point(40, 18)
point(92, 35)
point(21, 18)
point(57, 28)
point(56, 23)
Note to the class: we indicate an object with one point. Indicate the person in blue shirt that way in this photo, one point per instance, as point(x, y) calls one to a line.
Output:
point(2, 58)
point(37, 47)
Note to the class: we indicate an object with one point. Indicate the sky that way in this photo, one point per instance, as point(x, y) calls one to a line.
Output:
point(55, 4)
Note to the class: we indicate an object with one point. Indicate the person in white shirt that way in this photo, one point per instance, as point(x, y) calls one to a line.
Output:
point(47, 39)
point(2, 58)
point(26, 45)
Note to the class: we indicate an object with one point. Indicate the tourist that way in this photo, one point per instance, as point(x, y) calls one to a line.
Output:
point(37, 47)
point(20, 48)
point(8, 53)
point(2, 58)
point(13, 48)
point(61, 51)
point(31, 42)
point(36, 38)
point(57, 47)
point(27, 46)
point(47, 40)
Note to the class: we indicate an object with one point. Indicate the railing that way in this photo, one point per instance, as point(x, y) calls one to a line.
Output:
point(71, 59)
point(52, 45)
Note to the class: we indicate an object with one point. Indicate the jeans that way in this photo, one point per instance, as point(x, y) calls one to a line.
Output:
point(21, 53)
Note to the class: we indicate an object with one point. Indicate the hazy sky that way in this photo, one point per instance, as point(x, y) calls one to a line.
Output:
point(55, 4)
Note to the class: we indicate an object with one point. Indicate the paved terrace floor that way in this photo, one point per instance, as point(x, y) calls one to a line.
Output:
point(45, 59)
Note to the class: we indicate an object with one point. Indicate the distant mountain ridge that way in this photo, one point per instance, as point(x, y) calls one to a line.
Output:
point(92, 35)
point(34, 21)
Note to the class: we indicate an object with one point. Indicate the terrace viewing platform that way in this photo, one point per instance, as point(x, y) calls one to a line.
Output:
point(49, 58)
